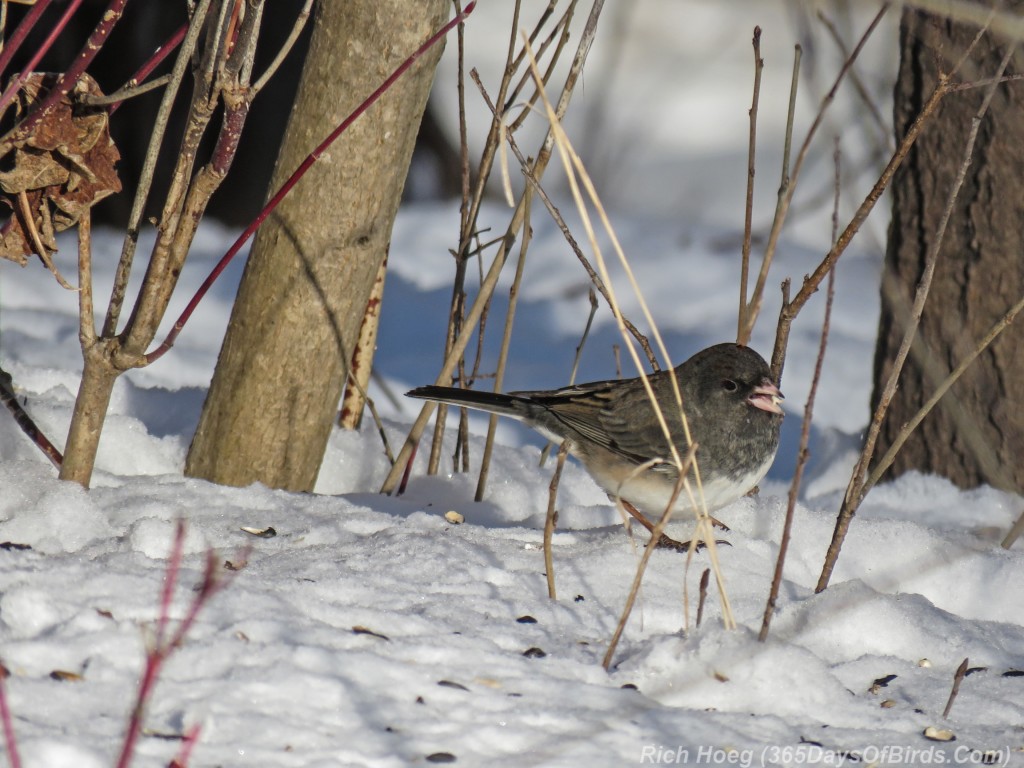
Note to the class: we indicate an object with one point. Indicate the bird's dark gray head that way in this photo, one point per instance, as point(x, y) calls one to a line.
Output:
point(730, 373)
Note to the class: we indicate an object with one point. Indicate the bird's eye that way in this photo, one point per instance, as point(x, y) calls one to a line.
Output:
point(729, 385)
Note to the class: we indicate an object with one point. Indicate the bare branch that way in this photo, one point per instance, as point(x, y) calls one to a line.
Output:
point(741, 321)
point(857, 488)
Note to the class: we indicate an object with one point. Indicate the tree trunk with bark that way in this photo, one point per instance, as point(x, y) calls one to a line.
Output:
point(976, 433)
point(282, 366)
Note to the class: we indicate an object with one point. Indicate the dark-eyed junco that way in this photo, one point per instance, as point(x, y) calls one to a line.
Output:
point(731, 404)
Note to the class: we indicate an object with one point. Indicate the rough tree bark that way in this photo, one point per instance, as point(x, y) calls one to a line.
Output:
point(976, 434)
point(275, 391)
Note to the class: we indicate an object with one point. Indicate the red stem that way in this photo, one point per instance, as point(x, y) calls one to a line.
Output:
point(163, 647)
point(158, 653)
point(158, 56)
point(170, 581)
point(153, 661)
point(188, 744)
point(18, 37)
point(30, 66)
point(5, 714)
point(299, 172)
point(23, 420)
point(71, 75)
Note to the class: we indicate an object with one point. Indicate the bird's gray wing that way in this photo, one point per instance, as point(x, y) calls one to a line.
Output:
point(614, 415)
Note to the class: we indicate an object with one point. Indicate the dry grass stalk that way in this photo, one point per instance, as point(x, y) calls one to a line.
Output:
point(391, 482)
point(563, 227)
point(576, 361)
point(506, 340)
point(470, 210)
point(1014, 533)
point(645, 558)
point(576, 174)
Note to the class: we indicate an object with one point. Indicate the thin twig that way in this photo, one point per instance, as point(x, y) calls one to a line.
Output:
point(460, 83)
point(958, 678)
point(506, 341)
point(811, 282)
point(31, 18)
point(563, 227)
point(126, 92)
point(27, 424)
point(551, 519)
point(575, 362)
point(905, 431)
point(490, 281)
point(791, 182)
point(285, 49)
point(747, 329)
point(858, 84)
point(805, 431)
point(166, 49)
point(298, 173)
point(469, 211)
point(146, 174)
point(969, 86)
point(856, 489)
point(748, 219)
point(559, 31)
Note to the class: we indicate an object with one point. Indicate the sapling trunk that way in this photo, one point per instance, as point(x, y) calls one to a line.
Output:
point(94, 390)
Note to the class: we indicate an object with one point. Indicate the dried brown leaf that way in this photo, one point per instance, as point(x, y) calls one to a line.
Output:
point(63, 165)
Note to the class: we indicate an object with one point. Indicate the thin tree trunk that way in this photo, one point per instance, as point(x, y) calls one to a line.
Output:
point(275, 392)
point(976, 434)
point(94, 390)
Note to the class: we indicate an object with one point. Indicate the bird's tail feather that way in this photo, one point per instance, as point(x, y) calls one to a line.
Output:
point(492, 402)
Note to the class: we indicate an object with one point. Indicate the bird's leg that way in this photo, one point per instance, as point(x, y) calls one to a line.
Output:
point(666, 542)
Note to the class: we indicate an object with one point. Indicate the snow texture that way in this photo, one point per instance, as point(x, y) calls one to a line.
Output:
point(372, 632)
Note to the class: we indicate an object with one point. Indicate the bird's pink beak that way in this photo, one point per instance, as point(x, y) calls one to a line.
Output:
point(767, 397)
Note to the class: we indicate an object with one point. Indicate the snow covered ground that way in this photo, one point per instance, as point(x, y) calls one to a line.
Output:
point(372, 632)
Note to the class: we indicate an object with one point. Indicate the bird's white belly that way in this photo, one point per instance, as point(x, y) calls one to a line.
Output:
point(650, 492)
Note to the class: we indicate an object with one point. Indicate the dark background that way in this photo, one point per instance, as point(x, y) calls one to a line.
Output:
point(145, 26)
